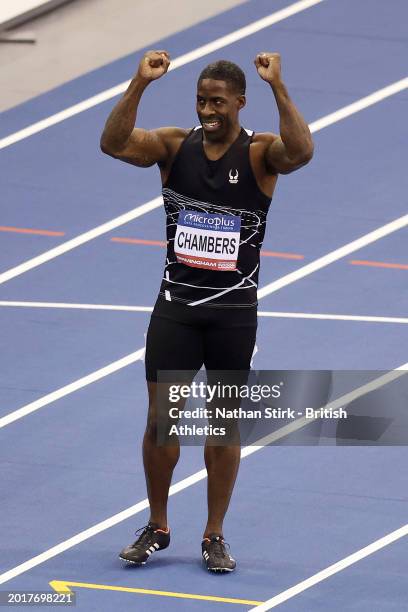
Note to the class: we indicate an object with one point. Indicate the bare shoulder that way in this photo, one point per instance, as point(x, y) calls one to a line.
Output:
point(259, 145)
point(275, 155)
point(172, 138)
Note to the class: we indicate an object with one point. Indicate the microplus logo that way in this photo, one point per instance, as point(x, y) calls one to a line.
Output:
point(215, 222)
point(233, 176)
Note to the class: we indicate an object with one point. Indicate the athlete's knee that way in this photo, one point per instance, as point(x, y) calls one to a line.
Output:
point(158, 424)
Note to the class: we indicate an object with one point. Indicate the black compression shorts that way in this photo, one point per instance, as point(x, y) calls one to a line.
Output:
point(182, 337)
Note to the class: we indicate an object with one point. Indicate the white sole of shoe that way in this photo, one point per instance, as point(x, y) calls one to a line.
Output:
point(132, 562)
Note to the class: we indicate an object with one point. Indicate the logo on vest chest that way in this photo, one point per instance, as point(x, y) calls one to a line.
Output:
point(233, 176)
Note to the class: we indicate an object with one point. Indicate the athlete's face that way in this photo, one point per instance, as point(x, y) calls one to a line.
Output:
point(218, 107)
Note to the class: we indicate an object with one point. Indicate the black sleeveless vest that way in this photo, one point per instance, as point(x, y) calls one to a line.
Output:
point(216, 216)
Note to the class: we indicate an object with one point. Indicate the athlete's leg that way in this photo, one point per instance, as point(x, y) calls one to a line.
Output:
point(222, 463)
point(159, 463)
point(170, 346)
point(225, 349)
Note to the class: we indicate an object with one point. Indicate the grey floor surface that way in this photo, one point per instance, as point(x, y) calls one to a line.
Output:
point(85, 34)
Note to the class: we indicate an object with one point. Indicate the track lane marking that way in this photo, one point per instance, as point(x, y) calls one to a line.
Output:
point(81, 239)
point(184, 483)
point(62, 586)
point(321, 262)
point(76, 306)
point(332, 569)
point(71, 387)
point(261, 313)
point(359, 105)
point(378, 264)
point(24, 230)
point(281, 255)
point(332, 317)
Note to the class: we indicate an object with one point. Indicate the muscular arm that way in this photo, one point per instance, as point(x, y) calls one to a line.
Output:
point(294, 147)
point(120, 139)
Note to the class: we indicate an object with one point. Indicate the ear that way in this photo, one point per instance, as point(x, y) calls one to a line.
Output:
point(241, 102)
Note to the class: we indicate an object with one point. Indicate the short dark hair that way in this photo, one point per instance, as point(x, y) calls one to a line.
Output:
point(223, 70)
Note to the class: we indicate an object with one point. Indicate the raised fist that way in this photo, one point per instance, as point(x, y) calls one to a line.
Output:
point(153, 65)
point(268, 66)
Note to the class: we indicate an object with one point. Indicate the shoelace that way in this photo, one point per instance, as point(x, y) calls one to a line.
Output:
point(146, 533)
point(219, 547)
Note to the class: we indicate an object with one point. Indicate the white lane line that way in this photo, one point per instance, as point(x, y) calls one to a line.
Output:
point(74, 386)
point(377, 96)
point(81, 239)
point(261, 313)
point(331, 317)
point(177, 487)
point(355, 107)
point(333, 569)
point(95, 529)
point(191, 56)
point(335, 255)
point(76, 306)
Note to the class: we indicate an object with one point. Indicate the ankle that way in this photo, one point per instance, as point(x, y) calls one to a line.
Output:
point(161, 525)
point(212, 532)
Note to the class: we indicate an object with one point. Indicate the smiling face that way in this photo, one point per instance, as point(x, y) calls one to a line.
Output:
point(218, 107)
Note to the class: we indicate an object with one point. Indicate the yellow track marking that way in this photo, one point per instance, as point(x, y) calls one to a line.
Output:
point(62, 586)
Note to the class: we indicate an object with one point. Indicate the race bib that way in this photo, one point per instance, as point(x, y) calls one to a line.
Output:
point(207, 241)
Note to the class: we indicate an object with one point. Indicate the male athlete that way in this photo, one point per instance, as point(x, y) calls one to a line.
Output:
point(218, 180)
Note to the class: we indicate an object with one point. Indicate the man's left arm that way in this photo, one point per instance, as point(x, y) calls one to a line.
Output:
point(294, 147)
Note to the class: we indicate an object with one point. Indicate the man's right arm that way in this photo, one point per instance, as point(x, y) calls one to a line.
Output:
point(120, 139)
